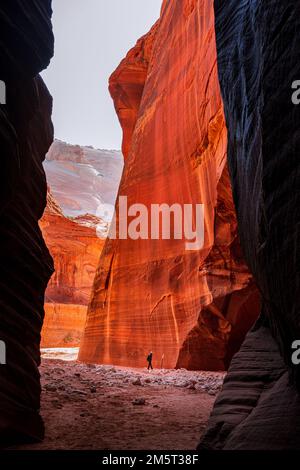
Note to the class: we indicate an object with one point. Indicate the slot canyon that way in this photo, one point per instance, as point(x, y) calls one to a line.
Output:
point(197, 99)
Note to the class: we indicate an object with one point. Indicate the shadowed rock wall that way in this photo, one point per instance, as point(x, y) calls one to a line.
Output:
point(26, 133)
point(258, 59)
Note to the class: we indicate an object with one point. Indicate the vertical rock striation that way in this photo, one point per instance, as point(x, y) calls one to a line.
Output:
point(26, 133)
point(126, 85)
point(192, 308)
point(82, 180)
point(258, 59)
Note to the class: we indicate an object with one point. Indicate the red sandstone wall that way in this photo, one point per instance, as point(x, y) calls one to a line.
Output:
point(192, 307)
point(126, 85)
point(75, 250)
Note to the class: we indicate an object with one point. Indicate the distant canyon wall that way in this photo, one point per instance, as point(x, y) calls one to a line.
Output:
point(191, 308)
point(80, 180)
point(75, 248)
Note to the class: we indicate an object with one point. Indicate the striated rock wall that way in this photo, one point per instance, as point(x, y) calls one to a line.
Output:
point(63, 324)
point(26, 133)
point(75, 248)
point(81, 180)
point(126, 85)
point(258, 60)
point(192, 308)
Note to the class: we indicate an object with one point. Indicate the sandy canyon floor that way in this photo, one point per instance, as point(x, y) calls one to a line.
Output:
point(88, 406)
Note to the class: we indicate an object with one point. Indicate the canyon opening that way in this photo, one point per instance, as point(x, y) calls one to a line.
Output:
point(142, 259)
point(146, 257)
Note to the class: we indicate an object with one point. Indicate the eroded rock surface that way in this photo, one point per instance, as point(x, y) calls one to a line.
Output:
point(190, 308)
point(258, 59)
point(82, 178)
point(26, 133)
point(258, 407)
point(75, 248)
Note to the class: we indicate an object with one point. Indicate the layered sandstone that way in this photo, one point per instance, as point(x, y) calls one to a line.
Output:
point(258, 408)
point(82, 178)
point(26, 133)
point(126, 85)
point(191, 308)
point(75, 248)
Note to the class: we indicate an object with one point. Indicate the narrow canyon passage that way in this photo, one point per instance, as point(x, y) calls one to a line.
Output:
point(116, 299)
point(92, 285)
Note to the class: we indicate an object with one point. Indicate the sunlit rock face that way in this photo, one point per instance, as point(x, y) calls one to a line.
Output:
point(126, 85)
point(82, 178)
point(258, 53)
point(191, 308)
point(26, 133)
point(75, 248)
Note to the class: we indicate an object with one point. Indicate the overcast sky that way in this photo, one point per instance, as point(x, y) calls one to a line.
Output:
point(91, 38)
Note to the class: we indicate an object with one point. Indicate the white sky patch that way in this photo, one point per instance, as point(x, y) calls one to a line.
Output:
point(91, 38)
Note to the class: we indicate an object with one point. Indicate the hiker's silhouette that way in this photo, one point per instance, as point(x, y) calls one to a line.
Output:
point(149, 359)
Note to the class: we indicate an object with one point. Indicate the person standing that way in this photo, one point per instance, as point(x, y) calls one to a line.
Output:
point(149, 360)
